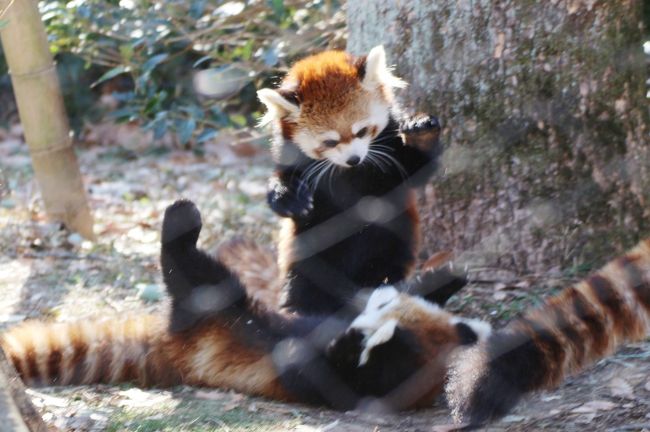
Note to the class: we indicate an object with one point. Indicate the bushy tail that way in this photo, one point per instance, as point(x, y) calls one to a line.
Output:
point(89, 352)
point(257, 269)
point(582, 324)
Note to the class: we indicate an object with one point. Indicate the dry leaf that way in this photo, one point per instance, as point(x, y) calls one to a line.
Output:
point(586, 418)
point(234, 402)
point(621, 388)
point(501, 44)
point(209, 395)
point(594, 406)
point(451, 427)
point(437, 260)
point(647, 386)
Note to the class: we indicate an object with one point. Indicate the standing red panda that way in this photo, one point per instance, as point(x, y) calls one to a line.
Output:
point(347, 163)
point(582, 324)
point(218, 336)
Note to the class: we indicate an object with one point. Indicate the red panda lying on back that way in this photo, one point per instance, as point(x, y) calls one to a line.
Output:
point(347, 162)
point(218, 336)
point(582, 324)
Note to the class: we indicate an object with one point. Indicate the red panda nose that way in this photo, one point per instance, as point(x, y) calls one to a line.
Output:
point(353, 160)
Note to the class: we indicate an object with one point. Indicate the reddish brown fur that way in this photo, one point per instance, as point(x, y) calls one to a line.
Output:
point(329, 89)
point(592, 318)
point(575, 328)
point(325, 79)
point(438, 338)
point(257, 269)
point(139, 350)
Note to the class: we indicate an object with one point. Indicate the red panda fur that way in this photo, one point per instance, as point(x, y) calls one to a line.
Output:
point(582, 324)
point(138, 350)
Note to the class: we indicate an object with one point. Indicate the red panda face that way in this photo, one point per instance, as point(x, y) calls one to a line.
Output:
point(332, 105)
point(436, 331)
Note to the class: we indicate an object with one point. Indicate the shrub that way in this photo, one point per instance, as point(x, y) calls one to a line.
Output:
point(146, 53)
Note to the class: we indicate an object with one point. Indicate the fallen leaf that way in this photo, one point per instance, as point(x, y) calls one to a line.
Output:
point(586, 418)
point(594, 406)
point(621, 388)
point(500, 45)
point(647, 386)
point(513, 419)
point(451, 427)
point(437, 260)
point(234, 402)
point(209, 395)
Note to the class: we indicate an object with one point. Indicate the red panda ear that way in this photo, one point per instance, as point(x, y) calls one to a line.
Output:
point(377, 73)
point(278, 103)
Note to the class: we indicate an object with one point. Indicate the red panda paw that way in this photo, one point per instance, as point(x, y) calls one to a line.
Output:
point(181, 223)
point(421, 131)
point(294, 201)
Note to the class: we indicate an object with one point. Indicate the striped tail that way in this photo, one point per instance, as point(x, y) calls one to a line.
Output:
point(582, 324)
point(110, 351)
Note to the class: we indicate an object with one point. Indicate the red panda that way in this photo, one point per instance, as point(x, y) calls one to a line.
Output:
point(215, 335)
point(582, 324)
point(347, 163)
point(257, 269)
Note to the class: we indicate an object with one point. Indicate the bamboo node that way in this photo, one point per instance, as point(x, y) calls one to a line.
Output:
point(65, 145)
point(33, 73)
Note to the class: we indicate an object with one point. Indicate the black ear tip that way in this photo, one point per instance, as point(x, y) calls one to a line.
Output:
point(466, 335)
point(181, 218)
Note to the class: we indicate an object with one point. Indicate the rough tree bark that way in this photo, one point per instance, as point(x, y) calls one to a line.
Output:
point(546, 119)
point(43, 116)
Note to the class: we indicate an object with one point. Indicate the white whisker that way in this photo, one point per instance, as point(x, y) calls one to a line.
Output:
point(395, 162)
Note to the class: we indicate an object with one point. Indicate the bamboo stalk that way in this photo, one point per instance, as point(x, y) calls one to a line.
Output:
point(43, 116)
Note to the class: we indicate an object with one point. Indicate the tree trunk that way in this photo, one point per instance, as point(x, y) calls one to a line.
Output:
point(17, 414)
point(43, 115)
point(545, 117)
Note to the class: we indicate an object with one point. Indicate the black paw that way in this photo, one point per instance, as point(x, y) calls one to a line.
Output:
point(437, 286)
point(181, 223)
point(344, 352)
point(295, 201)
point(421, 131)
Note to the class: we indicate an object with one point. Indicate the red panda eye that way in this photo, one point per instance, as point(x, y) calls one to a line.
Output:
point(362, 132)
point(330, 143)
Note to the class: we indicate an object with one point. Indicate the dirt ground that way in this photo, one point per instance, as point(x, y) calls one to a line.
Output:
point(48, 273)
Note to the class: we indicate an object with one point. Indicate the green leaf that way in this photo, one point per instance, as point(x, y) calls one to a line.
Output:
point(111, 74)
point(238, 119)
point(207, 134)
point(278, 7)
point(126, 51)
point(154, 61)
point(186, 130)
point(3, 23)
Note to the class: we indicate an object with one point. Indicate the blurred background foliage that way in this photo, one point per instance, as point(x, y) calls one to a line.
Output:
point(141, 60)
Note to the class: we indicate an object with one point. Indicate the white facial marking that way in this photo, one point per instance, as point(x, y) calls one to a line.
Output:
point(342, 153)
point(329, 135)
point(356, 127)
point(382, 335)
point(307, 143)
point(381, 301)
